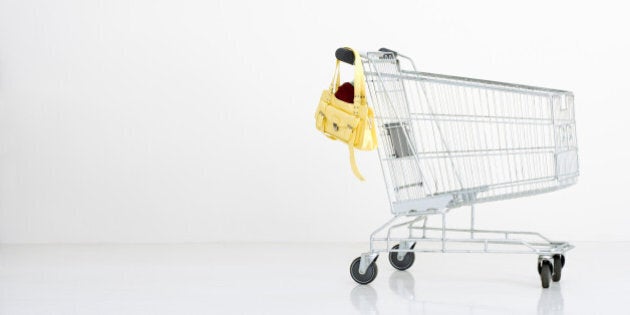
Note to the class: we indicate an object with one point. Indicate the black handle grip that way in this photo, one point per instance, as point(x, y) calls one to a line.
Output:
point(346, 55)
point(388, 50)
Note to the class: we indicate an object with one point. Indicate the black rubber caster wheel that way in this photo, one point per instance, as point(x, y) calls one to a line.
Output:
point(406, 262)
point(558, 263)
point(368, 276)
point(545, 273)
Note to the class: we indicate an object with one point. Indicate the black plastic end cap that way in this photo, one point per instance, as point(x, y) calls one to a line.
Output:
point(383, 49)
point(345, 54)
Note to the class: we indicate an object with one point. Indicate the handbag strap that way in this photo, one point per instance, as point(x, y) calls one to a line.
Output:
point(359, 81)
point(359, 86)
point(336, 80)
point(353, 162)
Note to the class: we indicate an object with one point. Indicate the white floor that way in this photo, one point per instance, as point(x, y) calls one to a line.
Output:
point(300, 279)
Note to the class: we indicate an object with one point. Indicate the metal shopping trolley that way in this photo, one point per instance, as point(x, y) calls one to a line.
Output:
point(447, 142)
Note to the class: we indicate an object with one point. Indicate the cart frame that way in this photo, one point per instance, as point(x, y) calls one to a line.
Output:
point(409, 225)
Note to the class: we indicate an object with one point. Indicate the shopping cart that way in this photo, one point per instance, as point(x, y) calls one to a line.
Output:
point(447, 142)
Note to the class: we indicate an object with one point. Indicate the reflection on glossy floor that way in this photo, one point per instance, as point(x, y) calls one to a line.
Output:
point(300, 279)
point(403, 284)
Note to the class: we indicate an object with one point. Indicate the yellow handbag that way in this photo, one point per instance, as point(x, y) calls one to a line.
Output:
point(352, 123)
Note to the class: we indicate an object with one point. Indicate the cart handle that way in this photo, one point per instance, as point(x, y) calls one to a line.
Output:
point(345, 54)
point(383, 49)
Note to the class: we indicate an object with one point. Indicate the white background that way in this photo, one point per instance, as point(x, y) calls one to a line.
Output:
point(192, 121)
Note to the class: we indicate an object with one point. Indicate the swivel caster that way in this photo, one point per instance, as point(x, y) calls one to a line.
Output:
point(558, 264)
point(407, 260)
point(365, 278)
point(544, 269)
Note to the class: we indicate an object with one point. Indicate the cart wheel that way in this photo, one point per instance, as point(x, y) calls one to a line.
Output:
point(545, 273)
point(403, 264)
point(367, 277)
point(558, 263)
